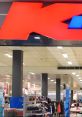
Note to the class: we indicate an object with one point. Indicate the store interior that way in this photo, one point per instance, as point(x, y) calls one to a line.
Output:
point(38, 60)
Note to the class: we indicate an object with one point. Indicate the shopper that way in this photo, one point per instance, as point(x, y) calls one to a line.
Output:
point(53, 108)
point(62, 108)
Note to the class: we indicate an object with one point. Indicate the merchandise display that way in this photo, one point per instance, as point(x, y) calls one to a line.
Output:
point(37, 106)
point(76, 109)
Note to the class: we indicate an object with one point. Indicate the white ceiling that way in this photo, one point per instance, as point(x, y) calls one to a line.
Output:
point(43, 60)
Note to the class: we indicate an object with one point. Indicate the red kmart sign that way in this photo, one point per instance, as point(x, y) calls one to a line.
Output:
point(27, 17)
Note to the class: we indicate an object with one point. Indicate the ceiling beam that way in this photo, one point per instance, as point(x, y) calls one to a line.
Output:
point(69, 67)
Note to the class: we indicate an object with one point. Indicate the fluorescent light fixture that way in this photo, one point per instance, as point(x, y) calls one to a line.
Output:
point(69, 62)
point(37, 37)
point(65, 55)
point(77, 75)
point(60, 47)
point(54, 82)
point(48, 78)
point(80, 80)
point(51, 80)
point(73, 73)
point(8, 55)
point(32, 73)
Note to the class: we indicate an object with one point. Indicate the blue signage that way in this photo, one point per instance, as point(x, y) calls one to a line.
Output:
point(67, 102)
point(16, 102)
point(76, 23)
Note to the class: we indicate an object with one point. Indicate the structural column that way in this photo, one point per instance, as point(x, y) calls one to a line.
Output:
point(17, 75)
point(44, 84)
point(71, 95)
point(71, 89)
point(58, 89)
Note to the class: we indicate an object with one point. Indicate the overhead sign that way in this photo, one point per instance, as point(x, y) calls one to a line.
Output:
point(52, 21)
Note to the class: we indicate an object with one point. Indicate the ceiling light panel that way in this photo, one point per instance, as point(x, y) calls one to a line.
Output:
point(69, 62)
point(51, 80)
point(8, 55)
point(37, 37)
point(48, 78)
point(60, 47)
point(65, 55)
point(77, 75)
point(73, 73)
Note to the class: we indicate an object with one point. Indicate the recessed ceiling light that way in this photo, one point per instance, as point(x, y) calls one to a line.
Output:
point(8, 55)
point(69, 62)
point(65, 55)
point(77, 75)
point(54, 82)
point(32, 73)
point(73, 73)
point(51, 80)
point(48, 78)
point(37, 37)
point(60, 47)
